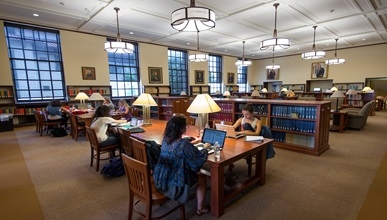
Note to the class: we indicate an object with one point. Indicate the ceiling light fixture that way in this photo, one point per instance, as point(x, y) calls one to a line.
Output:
point(313, 54)
point(335, 60)
point(193, 18)
point(273, 66)
point(275, 42)
point(198, 57)
point(243, 62)
point(118, 46)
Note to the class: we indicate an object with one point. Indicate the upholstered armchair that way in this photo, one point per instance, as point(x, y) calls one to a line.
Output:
point(357, 120)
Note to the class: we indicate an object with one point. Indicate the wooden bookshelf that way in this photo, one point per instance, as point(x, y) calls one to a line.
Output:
point(72, 91)
point(157, 90)
point(295, 87)
point(7, 100)
point(358, 86)
point(196, 89)
point(300, 126)
point(256, 87)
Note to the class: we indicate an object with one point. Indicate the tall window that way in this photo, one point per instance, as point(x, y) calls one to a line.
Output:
point(242, 78)
point(124, 74)
point(36, 62)
point(215, 73)
point(178, 71)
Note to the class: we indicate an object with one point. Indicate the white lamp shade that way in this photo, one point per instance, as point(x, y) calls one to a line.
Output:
point(96, 96)
point(145, 99)
point(367, 88)
point(243, 63)
point(284, 89)
point(351, 92)
point(198, 57)
point(193, 19)
point(183, 93)
point(255, 93)
point(226, 93)
point(203, 103)
point(333, 89)
point(264, 90)
point(338, 94)
point(81, 96)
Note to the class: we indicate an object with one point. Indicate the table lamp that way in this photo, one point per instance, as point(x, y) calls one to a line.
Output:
point(264, 90)
point(146, 101)
point(226, 94)
point(350, 92)
point(96, 96)
point(337, 94)
point(284, 89)
point(81, 96)
point(334, 89)
point(255, 94)
point(366, 89)
point(183, 93)
point(202, 105)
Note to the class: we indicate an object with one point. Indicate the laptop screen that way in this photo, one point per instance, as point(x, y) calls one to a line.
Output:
point(212, 135)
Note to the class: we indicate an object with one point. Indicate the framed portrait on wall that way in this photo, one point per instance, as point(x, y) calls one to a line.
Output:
point(319, 70)
point(230, 77)
point(272, 74)
point(199, 76)
point(155, 75)
point(88, 73)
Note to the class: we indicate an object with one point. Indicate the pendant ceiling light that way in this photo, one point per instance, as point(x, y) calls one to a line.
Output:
point(335, 60)
point(118, 46)
point(193, 18)
point(243, 62)
point(313, 54)
point(273, 66)
point(275, 42)
point(198, 57)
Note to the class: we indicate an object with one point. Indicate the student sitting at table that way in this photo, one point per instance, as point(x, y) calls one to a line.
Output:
point(100, 123)
point(124, 108)
point(249, 124)
point(109, 103)
point(176, 171)
point(56, 112)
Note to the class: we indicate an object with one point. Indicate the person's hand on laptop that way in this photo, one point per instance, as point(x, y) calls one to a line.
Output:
point(207, 145)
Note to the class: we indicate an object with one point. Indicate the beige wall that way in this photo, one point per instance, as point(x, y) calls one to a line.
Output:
point(87, 50)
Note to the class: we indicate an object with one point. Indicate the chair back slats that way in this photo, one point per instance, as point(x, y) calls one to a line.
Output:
point(138, 150)
point(125, 141)
point(138, 176)
point(92, 136)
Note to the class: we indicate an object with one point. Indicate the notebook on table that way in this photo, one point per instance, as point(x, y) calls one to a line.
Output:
point(229, 130)
point(211, 136)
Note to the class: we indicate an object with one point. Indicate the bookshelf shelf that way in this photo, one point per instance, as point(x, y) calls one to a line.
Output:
point(158, 90)
point(72, 91)
point(300, 126)
point(196, 89)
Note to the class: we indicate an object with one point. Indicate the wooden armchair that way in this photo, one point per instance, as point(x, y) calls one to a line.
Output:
point(142, 188)
point(96, 150)
point(76, 127)
point(43, 123)
point(126, 142)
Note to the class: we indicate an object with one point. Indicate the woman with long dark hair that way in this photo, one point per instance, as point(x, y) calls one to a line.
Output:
point(100, 124)
point(56, 112)
point(176, 171)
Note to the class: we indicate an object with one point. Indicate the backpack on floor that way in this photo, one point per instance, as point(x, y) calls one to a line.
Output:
point(114, 168)
point(59, 132)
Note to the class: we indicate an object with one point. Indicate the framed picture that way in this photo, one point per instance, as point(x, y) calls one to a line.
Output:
point(199, 76)
point(88, 73)
point(155, 75)
point(230, 77)
point(272, 74)
point(319, 70)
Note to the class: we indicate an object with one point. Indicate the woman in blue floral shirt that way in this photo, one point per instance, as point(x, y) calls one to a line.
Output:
point(179, 163)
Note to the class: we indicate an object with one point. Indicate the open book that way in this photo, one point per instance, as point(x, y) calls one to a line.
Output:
point(254, 138)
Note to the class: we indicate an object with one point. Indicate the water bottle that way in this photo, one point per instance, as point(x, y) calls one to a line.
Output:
point(217, 150)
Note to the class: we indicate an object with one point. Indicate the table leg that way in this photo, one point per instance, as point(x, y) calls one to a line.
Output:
point(260, 165)
point(217, 189)
point(341, 125)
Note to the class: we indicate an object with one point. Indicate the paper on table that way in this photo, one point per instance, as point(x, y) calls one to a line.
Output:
point(254, 138)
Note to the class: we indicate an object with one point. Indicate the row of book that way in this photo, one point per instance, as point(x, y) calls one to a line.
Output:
point(220, 116)
point(6, 94)
point(226, 107)
point(305, 112)
point(294, 125)
point(258, 109)
point(7, 111)
point(296, 139)
point(74, 92)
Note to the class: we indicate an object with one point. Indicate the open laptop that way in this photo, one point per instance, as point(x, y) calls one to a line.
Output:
point(229, 129)
point(211, 136)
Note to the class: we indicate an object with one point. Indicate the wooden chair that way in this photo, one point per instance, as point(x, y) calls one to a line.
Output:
point(134, 112)
point(96, 150)
point(138, 150)
point(126, 142)
point(37, 128)
point(44, 123)
point(76, 127)
point(141, 187)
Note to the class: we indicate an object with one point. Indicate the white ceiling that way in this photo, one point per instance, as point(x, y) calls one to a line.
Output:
point(354, 22)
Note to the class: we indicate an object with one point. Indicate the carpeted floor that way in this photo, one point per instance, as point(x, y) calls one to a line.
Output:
point(298, 186)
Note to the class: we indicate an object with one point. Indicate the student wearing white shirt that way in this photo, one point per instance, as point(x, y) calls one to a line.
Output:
point(100, 124)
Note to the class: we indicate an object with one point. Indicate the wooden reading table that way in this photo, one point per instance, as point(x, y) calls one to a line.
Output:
point(339, 121)
point(233, 150)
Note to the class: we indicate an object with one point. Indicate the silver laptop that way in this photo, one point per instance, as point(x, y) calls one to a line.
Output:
point(211, 136)
point(229, 129)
